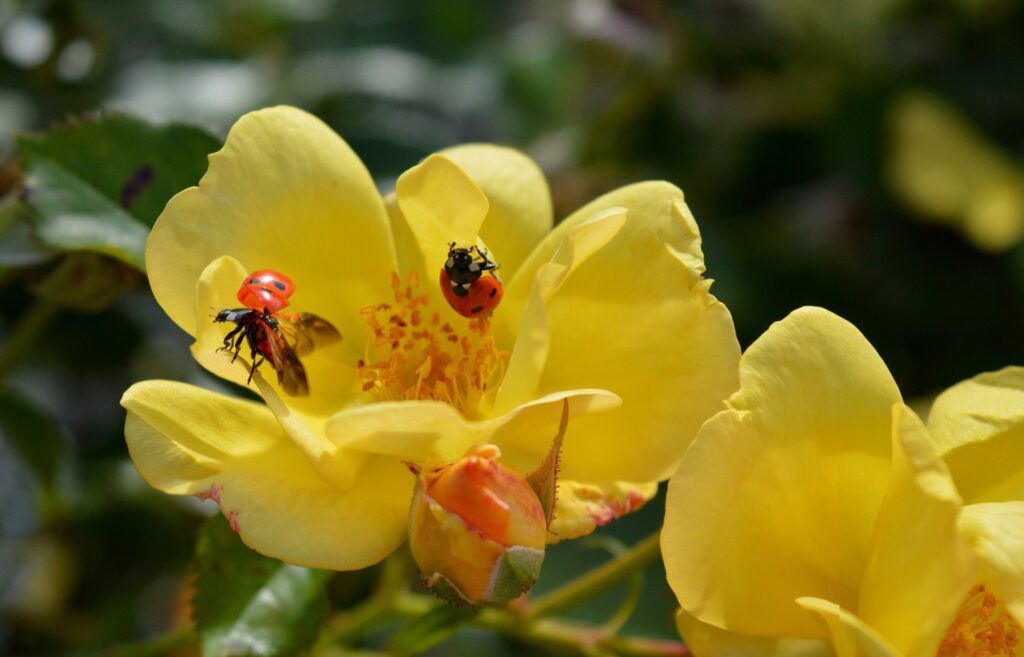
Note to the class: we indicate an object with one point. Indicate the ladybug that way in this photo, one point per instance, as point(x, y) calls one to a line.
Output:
point(275, 337)
point(467, 290)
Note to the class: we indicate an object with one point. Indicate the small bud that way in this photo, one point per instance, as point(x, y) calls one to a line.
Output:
point(477, 529)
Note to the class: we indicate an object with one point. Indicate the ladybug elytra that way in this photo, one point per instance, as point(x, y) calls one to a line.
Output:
point(467, 290)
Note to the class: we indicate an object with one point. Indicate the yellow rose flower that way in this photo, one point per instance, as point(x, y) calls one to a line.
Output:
point(817, 515)
point(609, 310)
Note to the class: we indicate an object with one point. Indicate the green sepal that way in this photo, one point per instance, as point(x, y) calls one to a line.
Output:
point(544, 480)
point(515, 573)
point(445, 590)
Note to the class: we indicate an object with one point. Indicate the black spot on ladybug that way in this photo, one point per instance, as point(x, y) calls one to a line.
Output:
point(476, 309)
point(137, 183)
point(279, 285)
point(494, 291)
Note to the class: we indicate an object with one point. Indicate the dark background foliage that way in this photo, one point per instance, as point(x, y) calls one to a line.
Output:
point(773, 116)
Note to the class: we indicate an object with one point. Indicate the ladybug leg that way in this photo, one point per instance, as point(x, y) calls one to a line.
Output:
point(233, 348)
point(228, 338)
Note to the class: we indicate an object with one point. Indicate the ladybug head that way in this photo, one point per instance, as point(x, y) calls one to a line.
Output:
point(459, 259)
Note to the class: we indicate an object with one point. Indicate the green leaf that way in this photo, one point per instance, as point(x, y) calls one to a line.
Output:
point(35, 436)
point(99, 184)
point(17, 246)
point(544, 480)
point(428, 630)
point(248, 605)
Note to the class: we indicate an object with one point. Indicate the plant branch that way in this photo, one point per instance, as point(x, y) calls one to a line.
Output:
point(598, 580)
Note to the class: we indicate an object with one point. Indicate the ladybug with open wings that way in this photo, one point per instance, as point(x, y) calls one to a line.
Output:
point(467, 290)
point(275, 337)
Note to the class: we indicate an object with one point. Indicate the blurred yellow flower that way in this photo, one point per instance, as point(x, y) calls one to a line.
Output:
point(946, 170)
point(817, 515)
point(608, 310)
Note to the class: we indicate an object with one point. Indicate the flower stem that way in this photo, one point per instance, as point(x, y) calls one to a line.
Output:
point(157, 646)
point(555, 636)
point(598, 580)
point(353, 625)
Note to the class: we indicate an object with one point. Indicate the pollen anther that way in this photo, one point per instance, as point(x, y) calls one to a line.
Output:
point(982, 627)
point(413, 355)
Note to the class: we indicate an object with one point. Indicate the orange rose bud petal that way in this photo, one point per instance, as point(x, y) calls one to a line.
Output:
point(477, 529)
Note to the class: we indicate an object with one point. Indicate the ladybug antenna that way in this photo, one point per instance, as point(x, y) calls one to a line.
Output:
point(451, 247)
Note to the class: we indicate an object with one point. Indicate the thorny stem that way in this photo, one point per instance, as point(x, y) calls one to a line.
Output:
point(598, 580)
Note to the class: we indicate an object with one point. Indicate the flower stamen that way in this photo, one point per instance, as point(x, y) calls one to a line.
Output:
point(982, 627)
point(415, 355)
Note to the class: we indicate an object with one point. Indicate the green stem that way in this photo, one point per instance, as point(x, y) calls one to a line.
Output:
point(554, 636)
point(156, 647)
point(25, 332)
point(352, 625)
point(598, 580)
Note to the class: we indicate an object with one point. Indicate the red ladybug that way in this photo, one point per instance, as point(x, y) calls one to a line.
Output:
point(279, 339)
point(467, 290)
point(266, 290)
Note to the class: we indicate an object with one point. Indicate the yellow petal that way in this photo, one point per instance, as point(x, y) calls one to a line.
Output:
point(285, 193)
point(531, 343)
point(422, 430)
point(996, 532)
point(582, 508)
point(778, 495)
point(188, 441)
point(441, 204)
point(520, 202)
point(635, 317)
point(979, 426)
point(330, 372)
point(705, 640)
point(850, 636)
point(908, 599)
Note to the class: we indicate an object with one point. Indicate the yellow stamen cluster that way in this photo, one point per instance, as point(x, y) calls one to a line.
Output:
point(982, 628)
point(414, 354)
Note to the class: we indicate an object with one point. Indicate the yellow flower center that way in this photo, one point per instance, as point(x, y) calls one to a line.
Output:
point(982, 628)
point(414, 354)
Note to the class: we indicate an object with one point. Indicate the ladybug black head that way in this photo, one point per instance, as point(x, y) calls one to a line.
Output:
point(461, 267)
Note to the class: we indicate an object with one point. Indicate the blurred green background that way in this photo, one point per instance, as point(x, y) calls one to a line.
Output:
point(863, 156)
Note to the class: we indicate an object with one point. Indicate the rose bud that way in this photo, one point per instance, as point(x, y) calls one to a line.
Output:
point(477, 529)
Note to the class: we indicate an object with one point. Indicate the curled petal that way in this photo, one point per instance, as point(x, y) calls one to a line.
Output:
point(441, 204)
point(996, 532)
point(979, 426)
point(422, 430)
point(850, 636)
point(908, 599)
point(582, 508)
point(710, 641)
point(622, 304)
point(520, 202)
point(186, 440)
point(778, 495)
